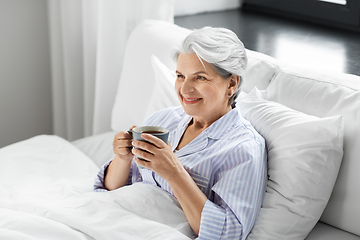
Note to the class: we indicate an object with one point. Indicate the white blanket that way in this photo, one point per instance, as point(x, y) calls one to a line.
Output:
point(46, 193)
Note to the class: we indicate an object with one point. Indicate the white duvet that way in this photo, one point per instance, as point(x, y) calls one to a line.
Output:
point(46, 193)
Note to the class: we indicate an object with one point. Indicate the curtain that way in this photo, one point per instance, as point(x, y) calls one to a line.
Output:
point(87, 41)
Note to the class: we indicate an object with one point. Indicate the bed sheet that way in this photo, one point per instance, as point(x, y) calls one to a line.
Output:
point(97, 147)
point(46, 193)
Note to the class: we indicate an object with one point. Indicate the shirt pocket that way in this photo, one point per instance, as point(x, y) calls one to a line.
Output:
point(201, 181)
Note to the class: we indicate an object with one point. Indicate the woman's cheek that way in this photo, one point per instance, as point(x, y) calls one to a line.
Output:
point(177, 89)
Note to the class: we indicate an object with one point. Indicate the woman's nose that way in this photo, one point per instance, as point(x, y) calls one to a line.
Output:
point(187, 86)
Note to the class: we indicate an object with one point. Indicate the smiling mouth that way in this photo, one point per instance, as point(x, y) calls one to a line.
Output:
point(191, 100)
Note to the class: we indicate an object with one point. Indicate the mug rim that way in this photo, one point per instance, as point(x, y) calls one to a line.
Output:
point(141, 129)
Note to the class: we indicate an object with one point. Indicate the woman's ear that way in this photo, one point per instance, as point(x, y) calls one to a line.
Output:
point(233, 83)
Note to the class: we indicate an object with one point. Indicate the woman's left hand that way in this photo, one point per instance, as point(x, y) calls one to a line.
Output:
point(159, 155)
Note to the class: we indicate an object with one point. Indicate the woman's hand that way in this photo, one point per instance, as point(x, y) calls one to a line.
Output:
point(117, 173)
point(122, 145)
point(159, 155)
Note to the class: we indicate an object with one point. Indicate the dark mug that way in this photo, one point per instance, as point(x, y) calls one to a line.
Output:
point(159, 132)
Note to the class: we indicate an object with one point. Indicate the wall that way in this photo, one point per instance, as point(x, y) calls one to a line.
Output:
point(25, 79)
point(188, 7)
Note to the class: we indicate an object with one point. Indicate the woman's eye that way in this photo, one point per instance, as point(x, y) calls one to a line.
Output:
point(200, 78)
point(180, 76)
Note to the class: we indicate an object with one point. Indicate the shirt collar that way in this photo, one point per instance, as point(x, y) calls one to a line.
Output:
point(224, 124)
point(220, 127)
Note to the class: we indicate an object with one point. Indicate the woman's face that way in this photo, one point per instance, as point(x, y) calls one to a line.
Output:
point(202, 92)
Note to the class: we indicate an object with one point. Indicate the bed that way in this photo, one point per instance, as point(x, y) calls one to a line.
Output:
point(46, 182)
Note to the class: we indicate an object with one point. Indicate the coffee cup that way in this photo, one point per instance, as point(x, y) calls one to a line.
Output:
point(159, 132)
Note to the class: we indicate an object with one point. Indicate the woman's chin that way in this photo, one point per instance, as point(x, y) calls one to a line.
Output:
point(191, 110)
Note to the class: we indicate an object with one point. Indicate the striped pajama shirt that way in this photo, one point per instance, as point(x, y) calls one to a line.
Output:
point(227, 161)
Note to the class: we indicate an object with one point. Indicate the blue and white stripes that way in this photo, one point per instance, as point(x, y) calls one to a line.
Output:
point(228, 163)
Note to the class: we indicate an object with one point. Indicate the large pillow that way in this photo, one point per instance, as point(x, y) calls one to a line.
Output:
point(326, 94)
point(304, 156)
point(163, 95)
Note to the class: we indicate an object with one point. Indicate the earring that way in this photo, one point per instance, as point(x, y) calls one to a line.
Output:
point(229, 94)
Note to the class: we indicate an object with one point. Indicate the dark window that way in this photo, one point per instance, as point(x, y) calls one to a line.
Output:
point(332, 12)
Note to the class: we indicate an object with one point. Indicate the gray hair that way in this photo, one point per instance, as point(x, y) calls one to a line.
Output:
point(221, 48)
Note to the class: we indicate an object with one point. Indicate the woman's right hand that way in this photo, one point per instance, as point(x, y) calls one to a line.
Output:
point(117, 173)
point(122, 145)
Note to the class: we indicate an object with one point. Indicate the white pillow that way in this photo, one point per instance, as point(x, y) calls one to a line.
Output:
point(304, 156)
point(326, 94)
point(260, 71)
point(164, 94)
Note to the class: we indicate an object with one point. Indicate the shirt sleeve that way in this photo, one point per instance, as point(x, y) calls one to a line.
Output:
point(99, 184)
point(237, 195)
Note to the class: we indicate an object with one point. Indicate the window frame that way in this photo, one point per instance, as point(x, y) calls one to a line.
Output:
point(348, 14)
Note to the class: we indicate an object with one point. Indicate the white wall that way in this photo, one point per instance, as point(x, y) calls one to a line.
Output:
point(188, 7)
point(25, 80)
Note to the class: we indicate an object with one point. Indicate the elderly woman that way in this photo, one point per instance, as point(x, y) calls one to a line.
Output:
point(214, 162)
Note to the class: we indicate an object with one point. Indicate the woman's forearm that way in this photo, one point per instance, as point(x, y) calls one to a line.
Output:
point(190, 197)
point(117, 174)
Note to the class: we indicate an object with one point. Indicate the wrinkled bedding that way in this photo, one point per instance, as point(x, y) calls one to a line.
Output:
point(46, 193)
